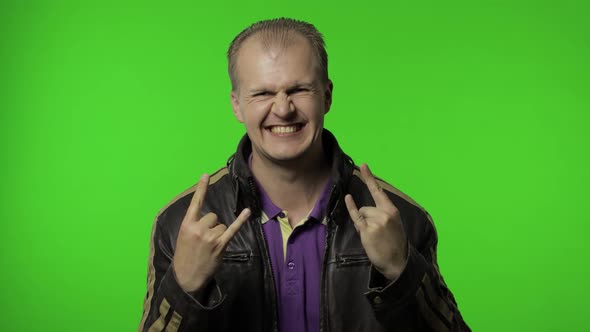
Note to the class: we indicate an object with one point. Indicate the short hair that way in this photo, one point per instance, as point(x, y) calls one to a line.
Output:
point(279, 31)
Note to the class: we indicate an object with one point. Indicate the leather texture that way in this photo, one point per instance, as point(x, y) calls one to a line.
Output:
point(354, 296)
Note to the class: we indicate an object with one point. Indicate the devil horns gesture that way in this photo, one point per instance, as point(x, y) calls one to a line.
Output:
point(380, 228)
point(201, 242)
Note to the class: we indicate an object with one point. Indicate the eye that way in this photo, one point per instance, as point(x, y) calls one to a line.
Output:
point(262, 93)
point(297, 90)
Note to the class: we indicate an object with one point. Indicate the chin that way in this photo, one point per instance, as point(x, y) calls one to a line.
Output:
point(285, 156)
point(286, 152)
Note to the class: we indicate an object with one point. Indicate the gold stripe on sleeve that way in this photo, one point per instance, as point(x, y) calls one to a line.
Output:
point(160, 323)
point(216, 176)
point(439, 303)
point(434, 322)
point(396, 191)
point(151, 280)
point(174, 323)
point(212, 179)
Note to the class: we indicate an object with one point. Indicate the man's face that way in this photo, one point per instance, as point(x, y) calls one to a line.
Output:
point(281, 99)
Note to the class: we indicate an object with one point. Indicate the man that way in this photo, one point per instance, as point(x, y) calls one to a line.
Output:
point(276, 241)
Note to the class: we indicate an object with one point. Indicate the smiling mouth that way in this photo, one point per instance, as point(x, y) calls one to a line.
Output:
point(283, 130)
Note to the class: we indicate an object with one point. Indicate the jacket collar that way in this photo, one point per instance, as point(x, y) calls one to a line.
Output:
point(245, 191)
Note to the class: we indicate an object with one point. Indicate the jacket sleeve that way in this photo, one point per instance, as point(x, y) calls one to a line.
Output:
point(167, 307)
point(419, 297)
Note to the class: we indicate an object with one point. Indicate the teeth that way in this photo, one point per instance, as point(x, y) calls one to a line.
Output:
point(283, 129)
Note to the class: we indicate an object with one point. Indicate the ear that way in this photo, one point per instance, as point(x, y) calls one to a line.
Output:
point(235, 104)
point(328, 96)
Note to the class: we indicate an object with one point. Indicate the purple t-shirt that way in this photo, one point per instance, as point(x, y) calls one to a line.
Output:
point(296, 257)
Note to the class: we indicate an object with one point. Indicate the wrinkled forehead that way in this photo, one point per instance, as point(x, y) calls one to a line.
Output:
point(264, 49)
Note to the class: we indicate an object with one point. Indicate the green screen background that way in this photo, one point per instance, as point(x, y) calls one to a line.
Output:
point(476, 109)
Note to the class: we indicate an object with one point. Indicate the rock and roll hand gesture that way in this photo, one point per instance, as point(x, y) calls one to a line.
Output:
point(380, 228)
point(201, 242)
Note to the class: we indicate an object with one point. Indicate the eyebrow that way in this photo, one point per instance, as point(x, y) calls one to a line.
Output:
point(294, 86)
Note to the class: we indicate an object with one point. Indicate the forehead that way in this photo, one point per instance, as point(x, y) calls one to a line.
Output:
point(274, 63)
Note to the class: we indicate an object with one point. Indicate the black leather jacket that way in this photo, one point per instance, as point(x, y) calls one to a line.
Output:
point(354, 296)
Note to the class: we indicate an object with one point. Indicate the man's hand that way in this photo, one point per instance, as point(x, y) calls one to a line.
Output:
point(201, 242)
point(380, 228)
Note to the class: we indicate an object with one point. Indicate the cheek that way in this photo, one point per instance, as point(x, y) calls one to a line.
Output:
point(255, 114)
point(311, 106)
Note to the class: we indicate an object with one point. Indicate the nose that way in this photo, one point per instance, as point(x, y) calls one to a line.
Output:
point(283, 105)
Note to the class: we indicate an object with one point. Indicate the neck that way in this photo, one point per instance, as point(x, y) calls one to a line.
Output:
point(294, 185)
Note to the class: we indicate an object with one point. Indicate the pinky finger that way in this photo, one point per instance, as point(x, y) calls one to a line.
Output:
point(233, 228)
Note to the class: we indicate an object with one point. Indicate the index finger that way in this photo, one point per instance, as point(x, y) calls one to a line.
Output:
point(376, 191)
point(198, 197)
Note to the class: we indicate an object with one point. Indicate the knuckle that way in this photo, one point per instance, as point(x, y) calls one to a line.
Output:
point(196, 201)
point(186, 229)
point(359, 219)
point(199, 233)
point(184, 226)
point(394, 213)
point(210, 237)
point(209, 217)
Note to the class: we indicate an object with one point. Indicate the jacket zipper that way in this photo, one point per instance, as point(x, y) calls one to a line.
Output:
point(268, 262)
point(352, 260)
point(324, 324)
point(236, 257)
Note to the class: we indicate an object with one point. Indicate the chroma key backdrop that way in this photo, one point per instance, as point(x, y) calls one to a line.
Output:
point(479, 110)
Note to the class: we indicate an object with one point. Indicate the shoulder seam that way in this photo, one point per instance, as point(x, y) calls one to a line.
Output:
point(213, 178)
point(394, 190)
